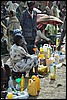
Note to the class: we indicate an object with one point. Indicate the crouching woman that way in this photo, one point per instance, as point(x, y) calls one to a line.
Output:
point(20, 60)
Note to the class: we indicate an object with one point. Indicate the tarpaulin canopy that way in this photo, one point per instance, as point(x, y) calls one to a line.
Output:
point(49, 20)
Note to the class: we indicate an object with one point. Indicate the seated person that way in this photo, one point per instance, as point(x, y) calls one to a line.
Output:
point(24, 44)
point(5, 74)
point(63, 33)
point(41, 38)
point(20, 60)
point(52, 29)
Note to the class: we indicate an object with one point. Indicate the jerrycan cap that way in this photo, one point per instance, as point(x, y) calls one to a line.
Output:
point(33, 76)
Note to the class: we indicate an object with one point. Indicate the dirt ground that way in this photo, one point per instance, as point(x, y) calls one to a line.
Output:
point(50, 89)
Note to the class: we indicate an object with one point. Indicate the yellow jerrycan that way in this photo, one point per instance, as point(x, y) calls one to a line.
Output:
point(29, 88)
point(37, 82)
point(32, 89)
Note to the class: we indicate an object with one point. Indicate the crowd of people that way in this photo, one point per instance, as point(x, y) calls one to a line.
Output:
point(22, 33)
point(12, 18)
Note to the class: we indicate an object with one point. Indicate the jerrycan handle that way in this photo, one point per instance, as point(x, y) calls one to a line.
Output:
point(45, 44)
point(29, 81)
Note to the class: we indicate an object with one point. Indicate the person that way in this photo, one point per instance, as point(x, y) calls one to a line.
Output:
point(47, 8)
point(5, 74)
point(59, 4)
point(51, 28)
point(24, 44)
point(63, 33)
point(41, 38)
point(20, 60)
point(54, 10)
point(15, 4)
point(39, 7)
point(4, 39)
point(63, 12)
point(51, 31)
point(19, 10)
point(4, 44)
point(11, 5)
point(4, 14)
point(3, 19)
point(13, 23)
point(29, 25)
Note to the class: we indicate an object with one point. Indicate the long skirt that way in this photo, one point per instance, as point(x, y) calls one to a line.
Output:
point(26, 64)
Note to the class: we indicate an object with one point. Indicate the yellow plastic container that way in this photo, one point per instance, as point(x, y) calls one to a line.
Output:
point(52, 76)
point(29, 81)
point(32, 89)
point(29, 88)
point(53, 72)
point(43, 69)
point(57, 41)
point(10, 95)
point(37, 82)
point(48, 52)
point(41, 56)
point(49, 61)
point(41, 53)
point(22, 83)
point(41, 49)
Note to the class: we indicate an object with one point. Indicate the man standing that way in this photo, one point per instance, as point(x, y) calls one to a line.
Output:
point(63, 33)
point(28, 24)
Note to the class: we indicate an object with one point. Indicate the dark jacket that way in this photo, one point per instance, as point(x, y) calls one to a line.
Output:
point(28, 25)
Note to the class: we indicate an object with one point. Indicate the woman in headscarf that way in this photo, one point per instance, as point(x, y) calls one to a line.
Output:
point(21, 61)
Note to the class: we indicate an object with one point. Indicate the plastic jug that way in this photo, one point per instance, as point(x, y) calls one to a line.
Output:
point(22, 83)
point(57, 41)
point(53, 71)
point(49, 61)
point(48, 52)
point(45, 46)
point(37, 82)
point(43, 69)
point(57, 57)
point(32, 89)
point(10, 82)
point(29, 88)
point(9, 94)
point(41, 56)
